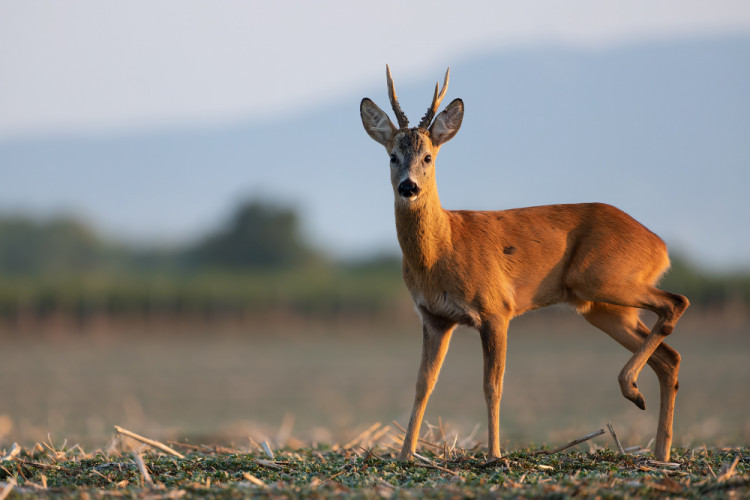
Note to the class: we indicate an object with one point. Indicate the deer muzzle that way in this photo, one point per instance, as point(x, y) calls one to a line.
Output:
point(408, 189)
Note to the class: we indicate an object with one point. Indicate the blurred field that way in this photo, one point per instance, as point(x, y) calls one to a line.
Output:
point(327, 381)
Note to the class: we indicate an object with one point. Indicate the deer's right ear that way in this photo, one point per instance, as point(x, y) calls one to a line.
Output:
point(376, 122)
point(447, 123)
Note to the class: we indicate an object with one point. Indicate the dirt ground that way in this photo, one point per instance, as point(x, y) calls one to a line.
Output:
point(324, 384)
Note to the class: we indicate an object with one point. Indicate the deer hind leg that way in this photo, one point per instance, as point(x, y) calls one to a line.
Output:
point(623, 325)
point(494, 342)
point(667, 306)
point(436, 336)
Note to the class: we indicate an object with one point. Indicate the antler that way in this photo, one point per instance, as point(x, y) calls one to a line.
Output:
point(403, 121)
point(437, 98)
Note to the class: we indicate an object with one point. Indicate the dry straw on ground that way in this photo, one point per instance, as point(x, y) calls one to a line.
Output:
point(445, 464)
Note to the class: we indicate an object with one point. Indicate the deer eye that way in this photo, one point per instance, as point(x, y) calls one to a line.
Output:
point(428, 159)
point(394, 159)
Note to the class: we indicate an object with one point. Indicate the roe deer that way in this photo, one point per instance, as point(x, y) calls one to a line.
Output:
point(483, 268)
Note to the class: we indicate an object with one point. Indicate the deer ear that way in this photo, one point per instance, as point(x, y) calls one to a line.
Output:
point(376, 122)
point(447, 123)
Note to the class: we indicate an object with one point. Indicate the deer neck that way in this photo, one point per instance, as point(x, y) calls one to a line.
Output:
point(423, 229)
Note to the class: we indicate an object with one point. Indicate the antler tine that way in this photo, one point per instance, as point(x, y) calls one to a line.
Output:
point(436, 100)
point(403, 121)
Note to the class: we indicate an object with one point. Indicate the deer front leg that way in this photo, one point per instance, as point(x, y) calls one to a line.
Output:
point(436, 336)
point(494, 340)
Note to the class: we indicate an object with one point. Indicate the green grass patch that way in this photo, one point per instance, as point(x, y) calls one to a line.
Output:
point(322, 290)
point(322, 472)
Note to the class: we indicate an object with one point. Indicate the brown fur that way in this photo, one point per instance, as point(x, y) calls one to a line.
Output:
point(483, 268)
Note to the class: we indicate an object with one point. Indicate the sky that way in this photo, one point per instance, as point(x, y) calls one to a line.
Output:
point(98, 67)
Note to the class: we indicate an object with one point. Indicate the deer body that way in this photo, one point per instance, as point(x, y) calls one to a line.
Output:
point(523, 259)
point(482, 268)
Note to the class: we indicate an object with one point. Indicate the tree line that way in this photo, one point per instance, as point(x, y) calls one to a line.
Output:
point(256, 261)
point(257, 236)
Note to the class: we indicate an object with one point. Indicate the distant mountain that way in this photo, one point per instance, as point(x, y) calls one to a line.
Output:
point(661, 130)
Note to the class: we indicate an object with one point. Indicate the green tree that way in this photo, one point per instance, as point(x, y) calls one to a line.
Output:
point(29, 247)
point(258, 235)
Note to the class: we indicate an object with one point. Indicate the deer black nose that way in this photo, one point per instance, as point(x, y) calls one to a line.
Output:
point(408, 188)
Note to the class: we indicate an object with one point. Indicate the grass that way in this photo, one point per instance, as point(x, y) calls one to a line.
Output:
point(316, 290)
point(373, 472)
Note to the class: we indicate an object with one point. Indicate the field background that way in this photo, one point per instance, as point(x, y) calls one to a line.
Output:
point(310, 380)
point(197, 244)
point(227, 267)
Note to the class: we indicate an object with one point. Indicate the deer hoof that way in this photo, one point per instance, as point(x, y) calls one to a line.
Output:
point(639, 401)
point(631, 392)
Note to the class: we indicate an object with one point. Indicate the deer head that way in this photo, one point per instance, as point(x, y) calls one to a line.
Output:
point(412, 150)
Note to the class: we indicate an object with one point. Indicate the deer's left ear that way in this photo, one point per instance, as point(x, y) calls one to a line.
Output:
point(447, 123)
